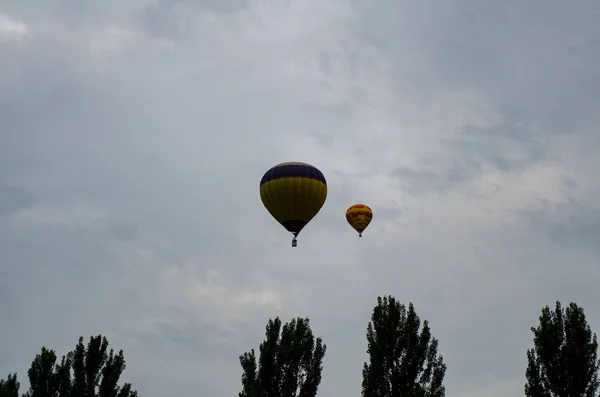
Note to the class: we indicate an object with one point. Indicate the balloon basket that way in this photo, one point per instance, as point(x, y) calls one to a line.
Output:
point(294, 243)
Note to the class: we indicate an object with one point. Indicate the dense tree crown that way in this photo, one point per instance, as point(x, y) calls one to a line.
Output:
point(290, 362)
point(84, 372)
point(563, 361)
point(403, 362)
point(10, 386)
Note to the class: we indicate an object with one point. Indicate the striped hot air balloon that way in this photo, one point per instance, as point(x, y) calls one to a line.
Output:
point(359, 216)
point(293, 193)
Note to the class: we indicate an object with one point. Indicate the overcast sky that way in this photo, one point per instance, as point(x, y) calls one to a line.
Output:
point(133, 136)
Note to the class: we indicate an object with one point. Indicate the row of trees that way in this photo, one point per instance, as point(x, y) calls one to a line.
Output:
point(87, 371)
point(403, 361)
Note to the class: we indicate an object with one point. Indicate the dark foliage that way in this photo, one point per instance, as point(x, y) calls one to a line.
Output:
point(84, 372)
point(10, 386)
point(403, 362)
point(289, 365)
point(563, 361)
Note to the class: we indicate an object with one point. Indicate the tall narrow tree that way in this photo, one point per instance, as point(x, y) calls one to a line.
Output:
point(290, 362)
point(563, 361)
point(403, 362)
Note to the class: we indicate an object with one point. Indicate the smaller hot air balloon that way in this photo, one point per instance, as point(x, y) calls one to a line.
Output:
point(359, 216)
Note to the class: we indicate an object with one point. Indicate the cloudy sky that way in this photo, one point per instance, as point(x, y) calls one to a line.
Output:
point(133, 136)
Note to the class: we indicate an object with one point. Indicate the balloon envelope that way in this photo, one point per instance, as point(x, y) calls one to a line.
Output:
point(293, 193)
point(359, 216)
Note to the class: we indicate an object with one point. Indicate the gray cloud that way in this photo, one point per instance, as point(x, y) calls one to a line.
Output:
point(134, 136)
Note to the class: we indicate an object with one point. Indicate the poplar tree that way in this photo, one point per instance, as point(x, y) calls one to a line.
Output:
point(563, 361)
point(289, 363)
point(87, 371)
point(403, 357)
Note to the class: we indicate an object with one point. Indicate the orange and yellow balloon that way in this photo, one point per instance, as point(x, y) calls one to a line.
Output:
point(293, 193)
point(359, 216)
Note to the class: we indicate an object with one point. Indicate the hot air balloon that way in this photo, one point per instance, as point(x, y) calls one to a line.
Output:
point(359, 216)
point(293, 193)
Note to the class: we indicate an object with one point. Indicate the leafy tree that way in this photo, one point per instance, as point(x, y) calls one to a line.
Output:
point(10, 386)
point(403, 362)
point(289, 365)
point(84, 372)
point(563, 361)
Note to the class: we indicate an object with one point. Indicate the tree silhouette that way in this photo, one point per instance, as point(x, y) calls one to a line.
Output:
point(84, 372)
point(10, 386)
point(289, 365)
point(402, 361)
point(563, 361)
